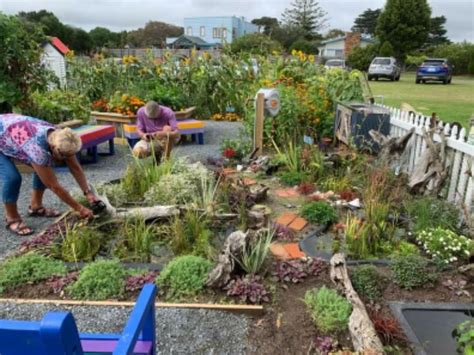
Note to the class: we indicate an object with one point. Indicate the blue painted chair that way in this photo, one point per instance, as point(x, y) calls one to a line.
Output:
point(57, 334)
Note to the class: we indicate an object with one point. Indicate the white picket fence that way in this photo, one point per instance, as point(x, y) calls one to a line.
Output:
point(459, 154)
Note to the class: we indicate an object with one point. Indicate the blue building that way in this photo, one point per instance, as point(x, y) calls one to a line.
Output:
point(218, 30)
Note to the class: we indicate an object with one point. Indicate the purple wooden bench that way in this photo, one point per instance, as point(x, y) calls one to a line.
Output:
point(57, 334)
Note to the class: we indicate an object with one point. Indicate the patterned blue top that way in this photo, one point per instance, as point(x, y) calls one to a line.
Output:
point(25, 139)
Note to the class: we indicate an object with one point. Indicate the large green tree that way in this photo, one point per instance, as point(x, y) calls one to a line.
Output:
point(268, 24)
point(366, 22)
point(103, 37)
point(307, 16)
point(438, 32)
point(20, 69)
point(405, 24)
point(334, 33)
point(154, 34)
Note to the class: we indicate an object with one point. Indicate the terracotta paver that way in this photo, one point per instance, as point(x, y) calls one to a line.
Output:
point(249, 181)
point(229, 171)
point(286, 218)
point(298, 224)
point(293, 250)
point(287, 192)
point(279, 251)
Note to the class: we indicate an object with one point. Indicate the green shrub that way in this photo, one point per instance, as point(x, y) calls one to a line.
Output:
point(461, 56)
point(80, 243)
point(99, 280)
point(292, 178)
point(28, 268)
point(411, 271)
point(430, 212)
point(360, 58)
point(405, 248)
point(135, 238)
point(445, 245)
point(368, 282)
point(58, 106)
point(319, 212)
point(329, 310)
point(255, 253)
point(255, 43)
point(184, 276)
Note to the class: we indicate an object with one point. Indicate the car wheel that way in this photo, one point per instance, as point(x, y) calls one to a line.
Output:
point(445, 81)
point(370, 77)
point(397, 78)
point(417, 81)
point(423, 81)
point(449, 80)
point(392, 78)
point(376, 78)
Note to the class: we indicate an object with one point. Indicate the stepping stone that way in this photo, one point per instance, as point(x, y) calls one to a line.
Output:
point(294, 251)
point(229, 171)
point(286, 218)
point(287, 192)
point(279, 251)
point(249, 181)
point(298, 224)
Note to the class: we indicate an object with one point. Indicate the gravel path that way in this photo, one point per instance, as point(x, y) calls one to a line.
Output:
point(107, 169)
point(178, 331)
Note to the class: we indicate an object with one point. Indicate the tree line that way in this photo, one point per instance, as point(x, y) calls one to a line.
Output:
point(154, 33)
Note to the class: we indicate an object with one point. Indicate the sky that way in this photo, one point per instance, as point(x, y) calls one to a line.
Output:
point(131, 14)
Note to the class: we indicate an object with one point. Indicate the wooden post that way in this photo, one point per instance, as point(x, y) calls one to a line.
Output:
point(258, 129)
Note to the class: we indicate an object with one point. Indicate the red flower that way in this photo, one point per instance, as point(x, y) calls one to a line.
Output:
point(229, 153)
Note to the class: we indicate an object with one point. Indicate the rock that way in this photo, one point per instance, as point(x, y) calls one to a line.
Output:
point(354, 203)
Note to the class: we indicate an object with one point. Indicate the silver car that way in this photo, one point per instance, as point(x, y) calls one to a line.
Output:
point(384, 67)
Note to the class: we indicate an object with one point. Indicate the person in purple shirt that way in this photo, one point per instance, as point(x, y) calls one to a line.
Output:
point(158, 130)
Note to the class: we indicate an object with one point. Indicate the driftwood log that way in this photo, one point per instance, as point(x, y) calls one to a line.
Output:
point(430, 171)
point(391, 148)
point(233, 247)
point(363, 334)
point(147, 213)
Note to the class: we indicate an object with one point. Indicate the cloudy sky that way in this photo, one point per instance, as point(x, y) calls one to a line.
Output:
point(131, 14)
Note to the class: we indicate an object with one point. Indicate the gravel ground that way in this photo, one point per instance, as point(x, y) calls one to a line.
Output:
point(107, 169)
point(178, 331)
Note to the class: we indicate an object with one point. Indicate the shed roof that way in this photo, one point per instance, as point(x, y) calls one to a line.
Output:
point(59, 45)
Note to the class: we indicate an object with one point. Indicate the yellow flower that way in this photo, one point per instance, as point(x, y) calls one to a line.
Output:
point(294, 52)
point(311, 58)
point(275, 53)
point(158, 70)
point(70, 54)
point(193, 52)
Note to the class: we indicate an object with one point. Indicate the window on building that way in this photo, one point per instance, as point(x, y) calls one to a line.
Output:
point(339, 52)
point(224, 33)
point(189, 31)
point(202, 31)
point(216, 32)
point(234, 33)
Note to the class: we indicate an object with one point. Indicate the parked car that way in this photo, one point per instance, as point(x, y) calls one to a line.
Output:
point(384, 67)
point(335, 63)
point(435, 69)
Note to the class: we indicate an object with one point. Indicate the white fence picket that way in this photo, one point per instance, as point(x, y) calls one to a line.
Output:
point(459, 154)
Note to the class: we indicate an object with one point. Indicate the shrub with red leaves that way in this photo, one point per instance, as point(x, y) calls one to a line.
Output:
point(136, 282)
point(229, 153)
point(347, 195)
point(283, 233)
point(249, 289)
point(387, 327)
point(306, 188)
point(59, 283)
point(296, 270)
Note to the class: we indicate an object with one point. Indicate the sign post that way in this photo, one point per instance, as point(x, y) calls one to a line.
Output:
point(259, 117)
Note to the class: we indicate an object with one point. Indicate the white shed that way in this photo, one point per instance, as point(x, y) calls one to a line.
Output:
point(53, 58)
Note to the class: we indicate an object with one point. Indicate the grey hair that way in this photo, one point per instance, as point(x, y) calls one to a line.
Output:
point(66, 141)
point(152, 109)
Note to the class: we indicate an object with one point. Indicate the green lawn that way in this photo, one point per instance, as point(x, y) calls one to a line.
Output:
point(453, 102)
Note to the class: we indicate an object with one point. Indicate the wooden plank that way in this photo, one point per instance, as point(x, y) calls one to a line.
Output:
point(244, 309)
point(259, 117)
